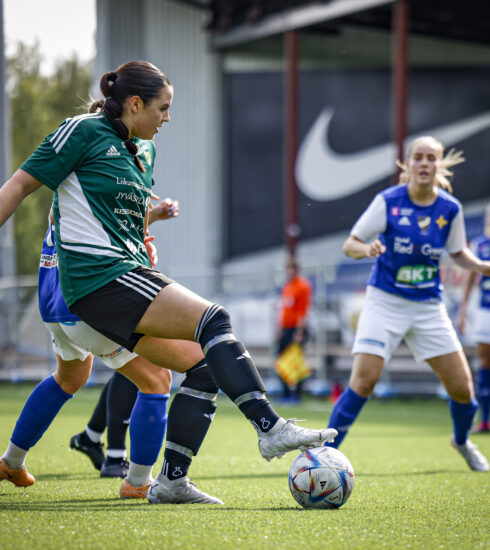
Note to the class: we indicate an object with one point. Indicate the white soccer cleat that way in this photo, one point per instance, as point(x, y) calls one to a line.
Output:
point(178, 491)
point(475, 458)
point(286, 436)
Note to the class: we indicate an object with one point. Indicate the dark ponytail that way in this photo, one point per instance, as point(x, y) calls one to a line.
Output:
point(133, 78)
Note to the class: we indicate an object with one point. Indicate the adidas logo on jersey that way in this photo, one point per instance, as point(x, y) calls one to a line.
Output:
point(112, 152)
point(404, 221)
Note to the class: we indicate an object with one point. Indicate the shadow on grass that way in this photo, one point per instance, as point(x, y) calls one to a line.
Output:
point(67, 476)
point(93, 504)
point(408, 474)
point(113, 504)
point(240, 476)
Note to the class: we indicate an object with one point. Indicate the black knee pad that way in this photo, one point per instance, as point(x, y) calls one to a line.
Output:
point(214, 323)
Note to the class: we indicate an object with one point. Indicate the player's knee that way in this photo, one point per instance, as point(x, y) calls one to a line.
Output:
point(72, 375)
point(157, 381)
point(463, 393)
point(213, 327)
point(363, 385)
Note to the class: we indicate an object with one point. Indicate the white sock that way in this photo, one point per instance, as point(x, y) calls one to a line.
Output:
point(14, 456)
point(116, 453)
point(93, 435)
point(138, 474)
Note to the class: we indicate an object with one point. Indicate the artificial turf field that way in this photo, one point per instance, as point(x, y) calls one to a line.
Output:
point(412, 490)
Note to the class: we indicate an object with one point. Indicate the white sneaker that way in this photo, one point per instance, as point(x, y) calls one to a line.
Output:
point(178, 491)
point(286, 436)
point(475, 458)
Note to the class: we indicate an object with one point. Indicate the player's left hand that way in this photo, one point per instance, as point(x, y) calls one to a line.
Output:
point(164, 210)
point(151, 250)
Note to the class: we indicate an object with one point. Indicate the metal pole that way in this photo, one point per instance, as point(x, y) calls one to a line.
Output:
point(400, 74)
point(292, 228)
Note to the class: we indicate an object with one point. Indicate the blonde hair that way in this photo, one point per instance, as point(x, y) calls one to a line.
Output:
point(444, 162)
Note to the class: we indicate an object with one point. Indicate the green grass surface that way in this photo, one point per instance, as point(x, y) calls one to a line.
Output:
point(412, 490)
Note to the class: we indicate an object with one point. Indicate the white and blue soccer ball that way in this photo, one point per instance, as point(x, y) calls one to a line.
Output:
point(321, 477)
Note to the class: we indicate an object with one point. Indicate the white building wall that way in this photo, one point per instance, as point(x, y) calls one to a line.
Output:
point(188, 162)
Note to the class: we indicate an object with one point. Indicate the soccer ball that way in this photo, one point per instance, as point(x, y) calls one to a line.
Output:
point(321, 477)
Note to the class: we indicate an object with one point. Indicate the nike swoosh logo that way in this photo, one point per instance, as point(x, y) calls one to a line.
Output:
point(324, 175)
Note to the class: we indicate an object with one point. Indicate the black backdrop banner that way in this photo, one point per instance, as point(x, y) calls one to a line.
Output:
point(345, 155)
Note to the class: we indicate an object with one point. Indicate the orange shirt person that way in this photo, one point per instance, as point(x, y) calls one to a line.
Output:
point(295, 304)
point(295, 300)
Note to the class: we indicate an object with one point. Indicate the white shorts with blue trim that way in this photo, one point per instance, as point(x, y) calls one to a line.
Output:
point(76, 340)
point(387, 319)
point(482, 326)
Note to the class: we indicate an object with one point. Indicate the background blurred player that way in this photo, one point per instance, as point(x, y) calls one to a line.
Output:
point(481, 248)
point(416, 221)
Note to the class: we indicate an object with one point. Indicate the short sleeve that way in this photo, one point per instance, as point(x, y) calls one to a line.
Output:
point(56, 158)
point(373, 220)
point(473, 246)
point(456, 240)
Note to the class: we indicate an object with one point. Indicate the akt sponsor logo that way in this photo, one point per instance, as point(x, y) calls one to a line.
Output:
point(416, 274)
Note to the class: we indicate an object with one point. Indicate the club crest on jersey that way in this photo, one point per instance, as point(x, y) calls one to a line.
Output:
point(441, 221)
point(147, 155)
point(423, 222)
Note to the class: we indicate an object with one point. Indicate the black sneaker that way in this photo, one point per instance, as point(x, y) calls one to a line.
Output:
point(81, 442)
point(114, 467)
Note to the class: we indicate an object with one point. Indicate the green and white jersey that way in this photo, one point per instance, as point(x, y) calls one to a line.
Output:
point(100, 201)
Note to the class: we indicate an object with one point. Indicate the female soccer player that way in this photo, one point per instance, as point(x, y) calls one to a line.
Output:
point(71, 337)
point(99, 166)
point(416, 221)
point(481, 248)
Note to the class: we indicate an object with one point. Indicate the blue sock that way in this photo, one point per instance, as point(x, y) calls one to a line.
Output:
point(462, 415)
point(147, 427)
point(39, 411)
point(344, 414)
point(484, 393)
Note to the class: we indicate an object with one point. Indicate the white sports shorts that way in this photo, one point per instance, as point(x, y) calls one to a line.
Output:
point(76, 340)
point(482, 326)
point(387, 319)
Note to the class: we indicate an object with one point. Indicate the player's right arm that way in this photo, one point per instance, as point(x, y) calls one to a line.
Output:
point(14, 191)
point(371, 223)
point(357, 249)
